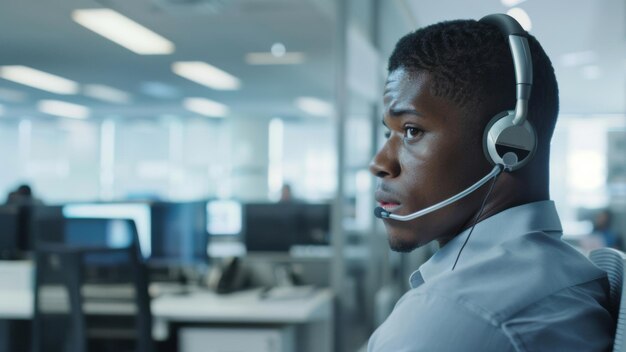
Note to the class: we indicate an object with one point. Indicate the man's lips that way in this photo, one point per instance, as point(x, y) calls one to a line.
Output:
point(390, 207)
point(386, 201)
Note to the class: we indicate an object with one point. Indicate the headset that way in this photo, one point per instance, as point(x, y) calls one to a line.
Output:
point(509, 140)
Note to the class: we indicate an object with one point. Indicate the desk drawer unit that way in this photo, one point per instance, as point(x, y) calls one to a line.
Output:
point(236, 339)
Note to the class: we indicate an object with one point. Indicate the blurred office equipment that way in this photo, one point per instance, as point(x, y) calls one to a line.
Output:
point(45, 224)
point(271, 227)
point(125, 322)
point(58, 322)
point(179, 244)
point(286, 244)
point(310, 317)
point(9, 234)
point(316, 229)
point(276, 227)
point(140, 213)
point(237, 340)
point(613, 262)
point(94, 310)
point(16, 292)
point(228, 276)
point(179, 234)
point(21, 225)
point(224, 217)
point(99, 233)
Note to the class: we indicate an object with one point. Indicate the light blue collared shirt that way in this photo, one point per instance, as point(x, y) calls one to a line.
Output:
point(516, 287)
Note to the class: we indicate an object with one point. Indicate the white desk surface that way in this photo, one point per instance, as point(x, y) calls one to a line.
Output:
point(199, 306)
point(16, 304)
point(243, 307)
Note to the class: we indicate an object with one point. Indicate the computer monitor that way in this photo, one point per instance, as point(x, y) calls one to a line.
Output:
point(99, 233)
point(271, 227)
point(42, 223)
point(316, 225)
point(139, 213)
point(276, 227)
point(179, 234)
point(224, 217)
point(9, 234)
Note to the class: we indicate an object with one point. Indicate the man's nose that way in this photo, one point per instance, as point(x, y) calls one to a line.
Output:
point(385, 163)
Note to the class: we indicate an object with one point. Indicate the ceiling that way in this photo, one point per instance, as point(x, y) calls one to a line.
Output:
point(42, 35)
point(563, 27)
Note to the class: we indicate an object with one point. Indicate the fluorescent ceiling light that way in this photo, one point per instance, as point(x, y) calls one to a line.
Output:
point(206, 107)
point(106, 93)
point(63, 109)
point(38, 79)
point(314, 106)
point(264, 58)
point(578, 58)
point(11, 95)
point(522, 17)
point(205, 74)
point(123, 31)
point(511, 3)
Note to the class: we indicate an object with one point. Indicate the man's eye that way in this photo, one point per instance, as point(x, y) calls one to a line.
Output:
point(411, 132)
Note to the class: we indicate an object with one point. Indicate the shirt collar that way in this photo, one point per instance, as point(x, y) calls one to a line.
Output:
point(491, 232)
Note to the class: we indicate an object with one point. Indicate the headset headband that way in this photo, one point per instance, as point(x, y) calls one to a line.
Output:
point(522, 60)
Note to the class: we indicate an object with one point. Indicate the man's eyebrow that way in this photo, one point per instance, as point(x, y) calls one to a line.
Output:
point(400, 112)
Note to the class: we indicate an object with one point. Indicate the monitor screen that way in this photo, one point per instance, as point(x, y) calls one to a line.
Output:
point(42, 224)
point(276, 227)
point(100, 233)
point(179, 233)
point(110, 233)
point(224, 217)
point(271, 227)
point(316, 225)
point(139, 213)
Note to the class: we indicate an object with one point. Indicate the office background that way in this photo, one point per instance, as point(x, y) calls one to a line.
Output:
point(238, 97)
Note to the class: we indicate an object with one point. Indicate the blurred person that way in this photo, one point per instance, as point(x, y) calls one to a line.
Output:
point(23, 195)
point(602, 227)
point(286, 194)
point(502, 279)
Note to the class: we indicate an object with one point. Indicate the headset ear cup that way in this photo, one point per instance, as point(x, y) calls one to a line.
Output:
point(507, 144)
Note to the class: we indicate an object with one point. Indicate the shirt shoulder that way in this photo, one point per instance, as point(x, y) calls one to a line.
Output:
point(532, 293)
point(535, 289)
point(516, 274)
point(429, 322)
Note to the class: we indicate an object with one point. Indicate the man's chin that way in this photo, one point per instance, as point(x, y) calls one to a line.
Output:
point(402, 246)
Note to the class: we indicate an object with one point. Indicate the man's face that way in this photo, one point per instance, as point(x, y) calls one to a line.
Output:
point(429, 156)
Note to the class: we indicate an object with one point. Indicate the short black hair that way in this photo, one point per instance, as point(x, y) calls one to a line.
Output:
point(470, 64)
point(24, 190)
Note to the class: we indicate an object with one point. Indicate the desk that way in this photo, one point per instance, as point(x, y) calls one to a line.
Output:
point(312, 316)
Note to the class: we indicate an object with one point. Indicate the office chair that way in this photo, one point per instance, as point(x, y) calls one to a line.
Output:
point(97, 281)
point(117, 276)
point(59, 323)
point(612, 261)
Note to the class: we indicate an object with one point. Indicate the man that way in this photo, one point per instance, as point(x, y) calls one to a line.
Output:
point(513, 285)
